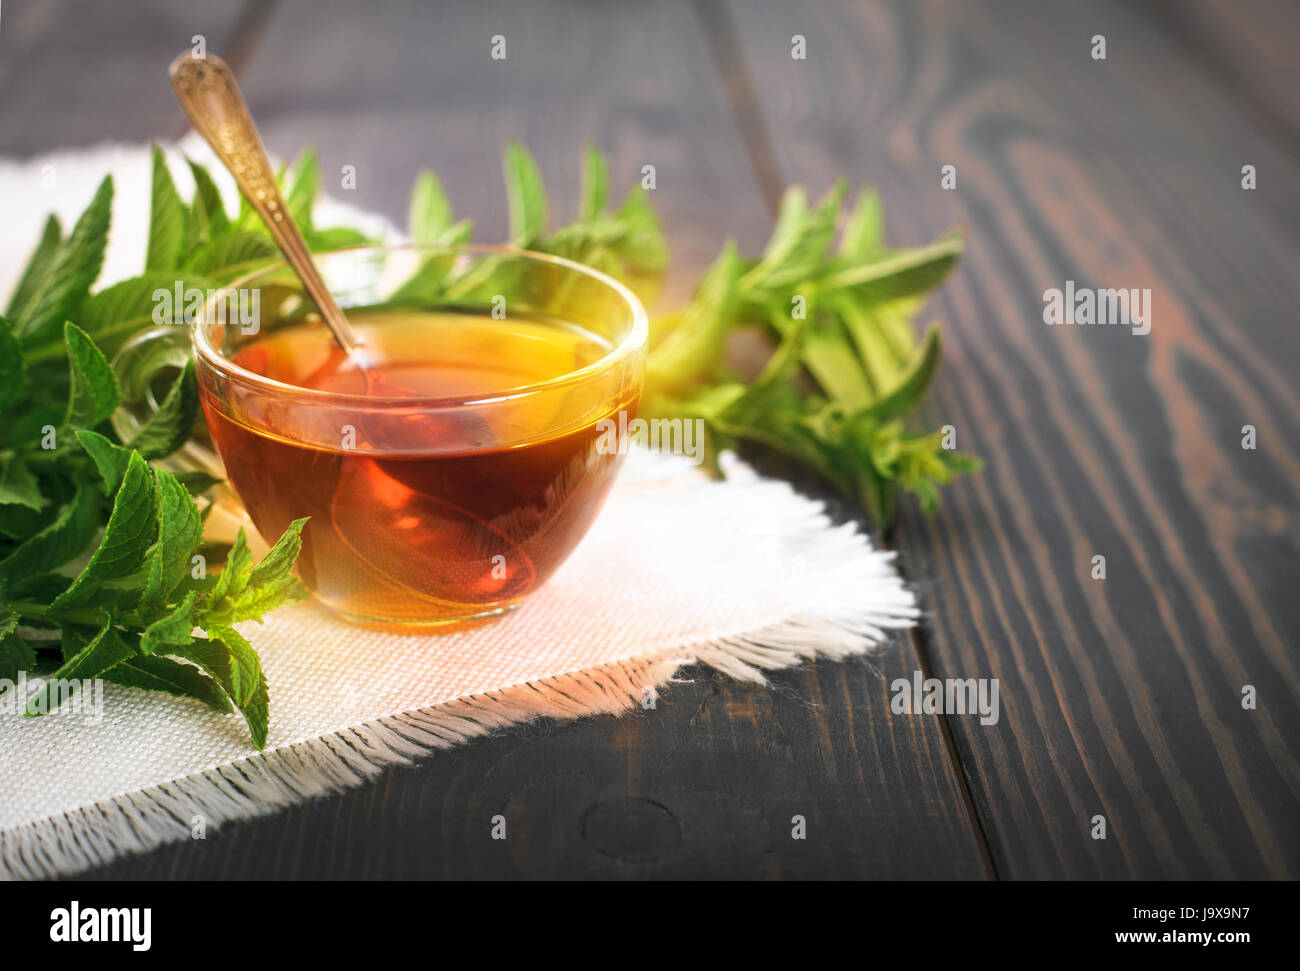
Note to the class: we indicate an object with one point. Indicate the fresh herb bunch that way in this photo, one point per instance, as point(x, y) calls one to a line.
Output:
point(99, 550)
point(103, 567)
point(847, 369)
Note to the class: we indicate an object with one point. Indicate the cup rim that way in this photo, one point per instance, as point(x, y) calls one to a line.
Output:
point(632, 343)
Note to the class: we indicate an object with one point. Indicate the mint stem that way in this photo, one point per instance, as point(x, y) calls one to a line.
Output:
point(72, 615)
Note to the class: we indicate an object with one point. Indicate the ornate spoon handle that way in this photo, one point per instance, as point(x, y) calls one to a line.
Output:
point(208, 93)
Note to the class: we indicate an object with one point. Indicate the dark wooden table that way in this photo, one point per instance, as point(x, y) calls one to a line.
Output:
point(1120, 697)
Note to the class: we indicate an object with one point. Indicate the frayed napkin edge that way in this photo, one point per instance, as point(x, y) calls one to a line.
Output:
point(259, 784)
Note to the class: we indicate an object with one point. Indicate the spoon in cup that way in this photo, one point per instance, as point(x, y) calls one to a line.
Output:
point(207, 90)
point(211, 98)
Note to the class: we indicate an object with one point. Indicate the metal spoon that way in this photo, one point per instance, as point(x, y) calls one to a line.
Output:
point(207, 91)
point(210, 96)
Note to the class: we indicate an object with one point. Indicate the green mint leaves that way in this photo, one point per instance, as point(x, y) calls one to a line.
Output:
point(102, 570)
point(847, 373)
point(60, 273)
point(130, 613)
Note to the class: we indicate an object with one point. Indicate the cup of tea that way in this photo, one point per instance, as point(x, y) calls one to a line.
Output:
point(450, 463)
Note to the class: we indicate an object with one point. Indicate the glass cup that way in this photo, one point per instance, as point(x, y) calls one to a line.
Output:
point(452, 463)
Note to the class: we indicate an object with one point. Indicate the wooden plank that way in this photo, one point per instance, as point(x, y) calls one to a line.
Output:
point(79, 72)
point(705, 785)
point(408, 85)
point(1120, 697)
point(1249, 47)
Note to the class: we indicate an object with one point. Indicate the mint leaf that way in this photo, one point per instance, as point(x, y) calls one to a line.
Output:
point(43, 587)
point(13, 372)
point(907, 395)
point(245, 668)
point(110, 460)
point(8, 619)
point(15, 655)
point(232, 253)
point(167, 219)
point(73, 271)
point(18, 486)
point(172, 677)
point(115, 313)
point(337, 237)
point(180, 530)
point(168, 428)
point(526, 196)
point(105, 649)
point(640, 243)
point(242, 594)
point(57, 543)
point(864, 232)
point(76, 637)
point(38, 269)
point(595, 183)
point(903, 274)
point(232, 663)
point(234, 575)
point(800, 239)
point(303, 188)
point(829, 357)
point(173, 631)
point(92, 394)
point(694, 348)
point(132, 527)
point(257, 601)
point(207, 208)
point(429, 222)
point(280, 558)
point(429, 213)
point(881, 349)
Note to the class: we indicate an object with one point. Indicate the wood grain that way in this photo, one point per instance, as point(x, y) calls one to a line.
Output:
point(704, 787)
point(1120, 697)
point(414, 85)
point(707, 784)
point(1247, 47)
point(78, 72)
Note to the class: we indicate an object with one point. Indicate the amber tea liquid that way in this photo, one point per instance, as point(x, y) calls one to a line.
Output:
point(420, 514)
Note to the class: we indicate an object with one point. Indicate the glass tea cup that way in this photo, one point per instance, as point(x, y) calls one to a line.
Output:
point(454, 460)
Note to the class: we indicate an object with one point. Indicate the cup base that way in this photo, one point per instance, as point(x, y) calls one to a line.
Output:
point(415, 625)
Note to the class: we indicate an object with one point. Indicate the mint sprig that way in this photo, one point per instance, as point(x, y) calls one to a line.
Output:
point(847, 372)
point(131, 612)
point(102, 557)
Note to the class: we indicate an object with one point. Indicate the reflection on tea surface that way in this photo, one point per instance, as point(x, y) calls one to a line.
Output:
point(421, 512)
